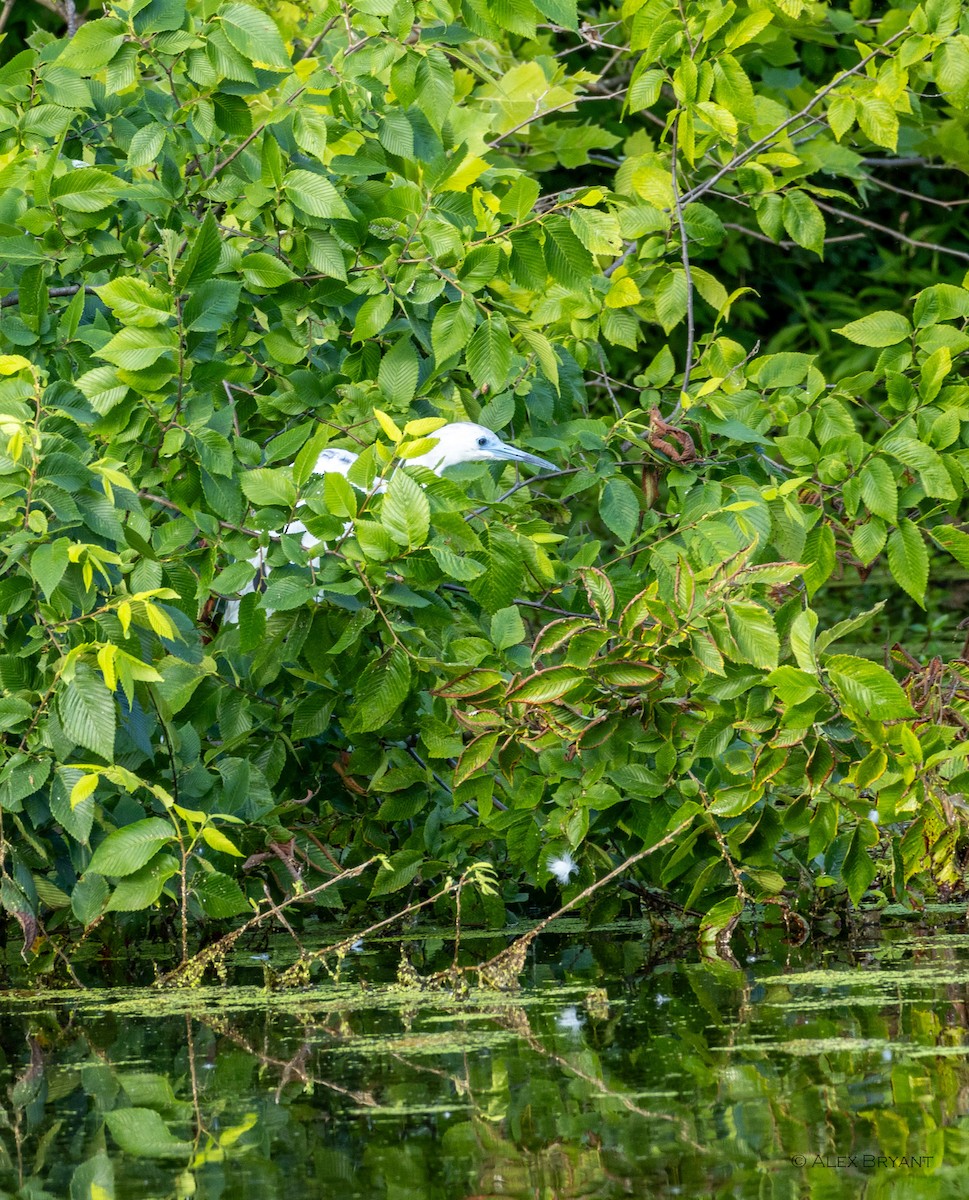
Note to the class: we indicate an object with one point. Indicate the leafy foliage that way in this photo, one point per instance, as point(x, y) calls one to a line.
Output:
point(230, 238)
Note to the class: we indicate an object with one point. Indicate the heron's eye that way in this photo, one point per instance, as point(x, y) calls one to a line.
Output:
point(482, 441)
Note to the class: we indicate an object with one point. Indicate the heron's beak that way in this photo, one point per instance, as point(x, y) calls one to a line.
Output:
point(507, 453)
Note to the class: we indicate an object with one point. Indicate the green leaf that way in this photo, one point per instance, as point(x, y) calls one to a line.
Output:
point(804, 222)
point(380, 691)
point(878, 121)
point(619, 508)
point(457, 566)
point(908, 559)
point(877, 329)
point(879, 490)
point(568, 260)
point(146, 145)
point(507, 627)
point(211, 305)
point(314, 194)
point(220, 895)
point(48, 564)
point(543, 686)
point(373, 316)
point(398, 373)
point(88, 898)
point(396, 872)
point(93, 45)
point(929, 464)
point(406, 511)
point(452, 327)
point(753, 630)
point(255, 35)
point(857, 870)
point(261, 271)
point(135, 349)
point(867, 689)
point(203, 257)
point(135, 302)
point(87, 712)
point(101, 388)
point(489, 354)
point(142, 888)
point(86, 190)
point(142, 1133)
point(266, 485)
point(502, 578)
point(953, 540)
point(128, 849)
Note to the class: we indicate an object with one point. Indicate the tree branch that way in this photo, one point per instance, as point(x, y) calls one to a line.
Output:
point(901, 237)
point(685, 256)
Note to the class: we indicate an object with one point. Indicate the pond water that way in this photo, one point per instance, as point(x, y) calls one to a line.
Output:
point(839, 1070)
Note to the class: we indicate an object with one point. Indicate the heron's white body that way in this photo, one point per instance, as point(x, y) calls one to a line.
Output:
point(458, 442)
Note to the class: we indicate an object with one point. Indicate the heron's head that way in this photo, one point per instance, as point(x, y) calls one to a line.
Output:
point(463, 441)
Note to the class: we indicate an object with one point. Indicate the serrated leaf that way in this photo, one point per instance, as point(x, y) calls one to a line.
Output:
point(380, 691)
point(86, 190)
point(879, 490)
point(137, 349)
point(135, 302)
point(507, 627)
point(255, 35)
point(128, 849)
point(398, 373)
point(857, 870)
point(908, 559)
point(406, 511)
point(877, 329)
point(146, 145)
point(549, 684)
point(212, 305)
point(452, 328)
point(373, 316)
point(619, 508)
point(475, 755)
point(502, 578)
point(266, 485)
point(867, 688)
point(954, 541)
point(87, 712)
point(142, 1133)
point(397, 872)
point(314, 194)
point(804, 222)
point(753, 631)
point(457, 566)
point(142, 888)
point(489, 354)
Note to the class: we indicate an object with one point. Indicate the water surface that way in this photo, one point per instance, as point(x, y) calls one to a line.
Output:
point(829, 1070)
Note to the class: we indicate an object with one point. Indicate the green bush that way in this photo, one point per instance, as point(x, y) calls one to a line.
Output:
point(229, 239)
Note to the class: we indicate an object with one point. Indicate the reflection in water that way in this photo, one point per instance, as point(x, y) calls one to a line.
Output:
point(835, 1077)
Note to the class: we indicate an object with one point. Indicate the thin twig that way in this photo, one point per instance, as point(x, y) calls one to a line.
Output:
point(548, 111)
point(685, 256)
point(901, 237)
point(14, 297)
point(786, 245)
point(5, 13)
point(891, 187)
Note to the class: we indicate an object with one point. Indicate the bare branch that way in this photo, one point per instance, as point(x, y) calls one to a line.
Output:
point(685, 256)
point(901, 237)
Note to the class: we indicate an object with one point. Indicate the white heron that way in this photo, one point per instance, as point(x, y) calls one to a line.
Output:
point(455, 443)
